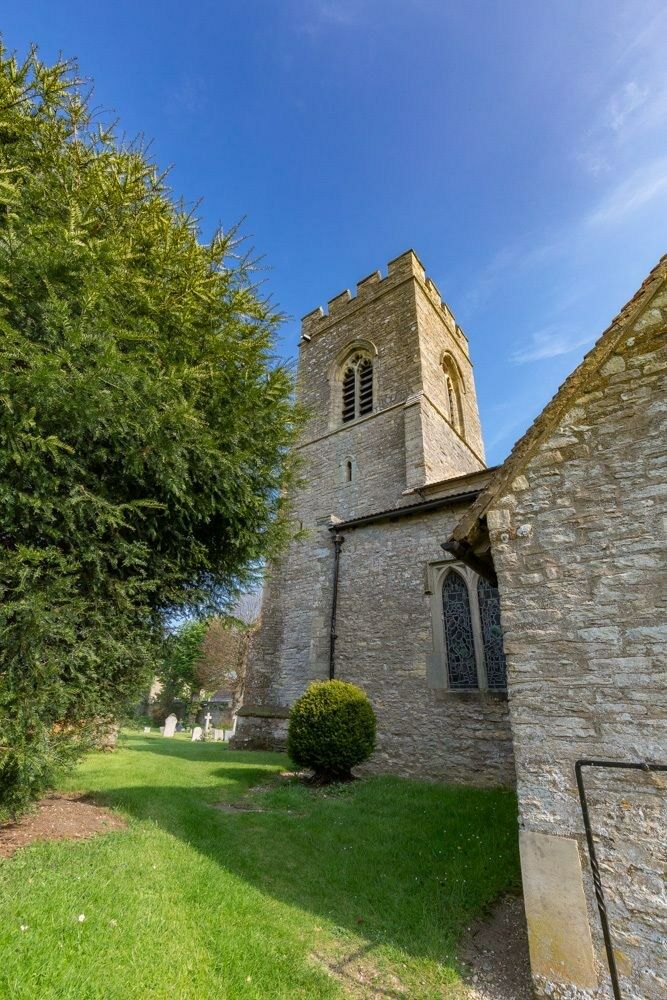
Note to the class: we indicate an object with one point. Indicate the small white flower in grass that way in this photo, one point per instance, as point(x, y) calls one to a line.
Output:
point(24, 927)
point(81, 917)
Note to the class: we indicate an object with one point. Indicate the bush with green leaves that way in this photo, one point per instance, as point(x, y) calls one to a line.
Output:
point(145, 424)
point(331, 729)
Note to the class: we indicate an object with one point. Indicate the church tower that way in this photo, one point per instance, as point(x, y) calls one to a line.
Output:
point(386, 379)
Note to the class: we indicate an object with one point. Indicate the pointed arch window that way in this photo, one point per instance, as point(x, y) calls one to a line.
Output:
point(357, 387)
point(492, 636)
point(467, 636)
point(459, 639)
point(453, 394)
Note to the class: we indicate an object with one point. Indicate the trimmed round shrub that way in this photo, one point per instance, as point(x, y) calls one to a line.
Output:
point(331, 729)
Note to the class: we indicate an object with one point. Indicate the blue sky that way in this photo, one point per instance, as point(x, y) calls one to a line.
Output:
point(519, 147)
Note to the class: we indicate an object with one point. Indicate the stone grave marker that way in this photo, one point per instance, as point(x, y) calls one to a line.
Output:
point(218, 734)
point(170, 725)
point(196, 734)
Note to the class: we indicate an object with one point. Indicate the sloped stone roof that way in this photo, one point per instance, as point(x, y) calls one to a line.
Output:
point(574, 385)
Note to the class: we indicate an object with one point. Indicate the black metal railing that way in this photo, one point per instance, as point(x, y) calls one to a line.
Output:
point(595, 868)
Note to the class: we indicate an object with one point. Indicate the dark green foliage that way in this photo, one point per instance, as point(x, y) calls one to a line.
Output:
point(144, 425)
point(177, 672)
point(331, 729)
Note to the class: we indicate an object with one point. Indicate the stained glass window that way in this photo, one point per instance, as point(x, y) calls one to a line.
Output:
point(494, 656)
point(459, 643)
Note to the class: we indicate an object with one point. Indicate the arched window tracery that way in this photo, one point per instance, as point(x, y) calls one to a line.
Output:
point(459, 638)
point(492, 636)
point(357, 387)
point(453, 394)
point(468, 649)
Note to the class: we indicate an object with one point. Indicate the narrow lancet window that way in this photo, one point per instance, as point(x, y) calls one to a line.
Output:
point(459, 641)
point(451, 400)
point(454, 412)
point(494, 656)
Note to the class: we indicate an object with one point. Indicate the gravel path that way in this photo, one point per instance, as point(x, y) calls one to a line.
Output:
point(496, 955)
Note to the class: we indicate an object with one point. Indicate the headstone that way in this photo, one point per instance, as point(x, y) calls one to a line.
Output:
point(170, 725)
point(218, 734)
point(162, 730)
point(207, 721)
point(147, 729)
point(196, 734)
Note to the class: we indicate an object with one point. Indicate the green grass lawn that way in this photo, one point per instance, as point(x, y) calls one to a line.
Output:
point(372, 882)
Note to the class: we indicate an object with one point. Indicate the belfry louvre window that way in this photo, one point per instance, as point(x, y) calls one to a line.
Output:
point(357, 388)
point(467, 635)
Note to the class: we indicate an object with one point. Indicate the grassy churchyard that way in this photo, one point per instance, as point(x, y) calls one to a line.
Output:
point(283, 891)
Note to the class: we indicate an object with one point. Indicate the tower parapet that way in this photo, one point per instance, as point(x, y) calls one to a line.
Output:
point(402, 268)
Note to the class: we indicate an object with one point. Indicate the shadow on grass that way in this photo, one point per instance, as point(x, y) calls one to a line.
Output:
point(185, 749)
point(403, 863)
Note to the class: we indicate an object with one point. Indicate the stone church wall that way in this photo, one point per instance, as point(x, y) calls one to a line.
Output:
point(579, 548)
point(384, 618)
point(385, 640)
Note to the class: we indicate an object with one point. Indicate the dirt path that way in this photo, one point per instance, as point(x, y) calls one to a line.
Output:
point(496, 955)
point(58, 817)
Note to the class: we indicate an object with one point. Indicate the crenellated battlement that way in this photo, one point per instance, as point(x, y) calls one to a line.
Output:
point(404, 266)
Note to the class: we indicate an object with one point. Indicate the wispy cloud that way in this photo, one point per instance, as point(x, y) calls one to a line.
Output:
point(646, 185)
point(549, 342)
point(631, 106)
point(633, 115)
point(313, 17)
point(521, 255)
point(335, 11)
point(645, 189)
point(623, 104)
point(189, 96)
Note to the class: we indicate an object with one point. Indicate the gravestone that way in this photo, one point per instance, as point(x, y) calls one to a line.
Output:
point(170, 725)
point(218, 734)
point(147, 729)
point(207, 721)
point(196, 734)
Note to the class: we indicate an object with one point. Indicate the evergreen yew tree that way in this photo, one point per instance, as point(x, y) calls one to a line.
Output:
point(144, 423)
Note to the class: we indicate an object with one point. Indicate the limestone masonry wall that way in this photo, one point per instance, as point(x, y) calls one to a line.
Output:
point(384, 643)
point(384, 618)
point(579, 547)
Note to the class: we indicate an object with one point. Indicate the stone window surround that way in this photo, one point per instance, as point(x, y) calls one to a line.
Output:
point(348, 471)
point(437, 673)
point(358, 346)
point(456, 389)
